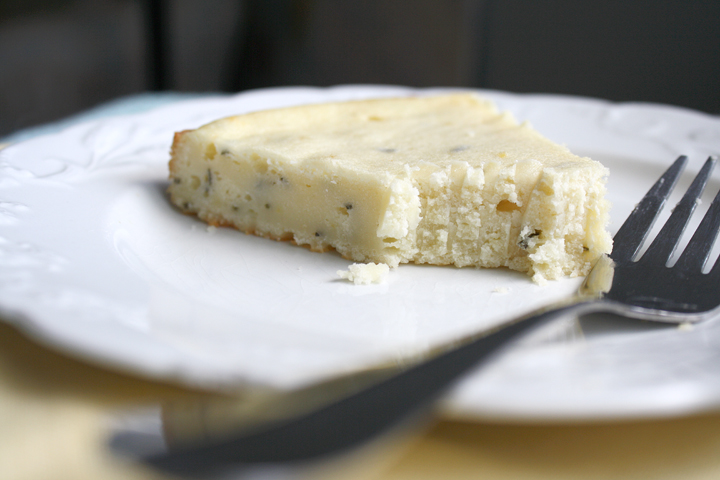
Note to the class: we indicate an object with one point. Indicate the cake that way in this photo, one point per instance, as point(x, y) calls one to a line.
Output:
point(442, 180)
point(365, 273)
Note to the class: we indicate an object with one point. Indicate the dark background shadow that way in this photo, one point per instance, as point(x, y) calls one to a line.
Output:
point(58, 57)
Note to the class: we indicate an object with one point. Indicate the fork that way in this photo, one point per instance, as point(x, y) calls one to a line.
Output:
point(646, 288)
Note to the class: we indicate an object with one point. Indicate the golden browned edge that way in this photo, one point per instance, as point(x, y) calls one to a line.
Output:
point(285, 237)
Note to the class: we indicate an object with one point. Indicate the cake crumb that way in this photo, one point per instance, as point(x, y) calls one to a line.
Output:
point(365, 273)
point(211, 229)
point(501, 290)
point(685, 326)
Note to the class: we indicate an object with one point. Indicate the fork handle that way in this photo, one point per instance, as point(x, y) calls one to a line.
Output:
point(365, 414)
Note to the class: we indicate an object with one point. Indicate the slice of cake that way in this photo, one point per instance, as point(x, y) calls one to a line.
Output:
point(444, 180)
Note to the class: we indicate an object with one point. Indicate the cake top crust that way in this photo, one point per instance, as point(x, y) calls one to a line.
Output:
point(391, 135)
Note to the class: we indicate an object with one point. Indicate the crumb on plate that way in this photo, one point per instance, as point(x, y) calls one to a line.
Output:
point(365, 273)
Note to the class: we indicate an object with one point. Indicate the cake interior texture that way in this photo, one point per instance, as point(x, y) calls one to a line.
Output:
point(444, 180)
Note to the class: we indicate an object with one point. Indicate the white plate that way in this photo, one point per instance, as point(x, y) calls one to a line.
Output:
point(94, 261)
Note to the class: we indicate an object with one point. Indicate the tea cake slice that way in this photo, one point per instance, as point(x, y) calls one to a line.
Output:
point(444, 180)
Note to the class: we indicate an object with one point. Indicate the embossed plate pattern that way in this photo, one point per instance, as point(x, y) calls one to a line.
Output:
point(94, 261)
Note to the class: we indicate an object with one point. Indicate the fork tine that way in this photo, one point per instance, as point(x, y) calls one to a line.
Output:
point(701, 243)
point(632, 233)
point(666, 241)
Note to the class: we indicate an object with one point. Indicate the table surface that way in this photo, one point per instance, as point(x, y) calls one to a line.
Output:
point(55, 413)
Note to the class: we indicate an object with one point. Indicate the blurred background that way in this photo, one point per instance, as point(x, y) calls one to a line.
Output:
point(59, 57)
